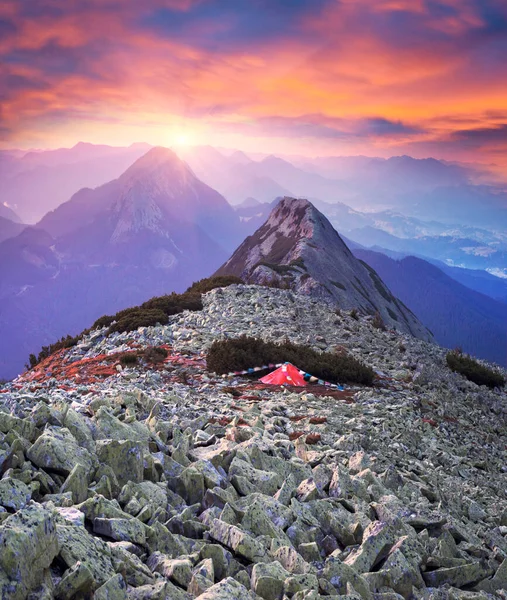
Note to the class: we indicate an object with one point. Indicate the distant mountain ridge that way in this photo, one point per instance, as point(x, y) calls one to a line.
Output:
point(154, 230)
point(298, 246)
point(457, 315)
point(39, 182)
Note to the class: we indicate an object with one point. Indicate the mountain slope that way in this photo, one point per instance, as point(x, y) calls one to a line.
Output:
point(297, 245)
point(159, 192)
point(40, 181)
point(9, 229)
point(154, 230)
point(457, 315)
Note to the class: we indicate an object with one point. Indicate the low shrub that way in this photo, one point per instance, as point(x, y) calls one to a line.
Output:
point(155, 311)
point(136, 317)
point(173, 304)
point(354, 314)
point(206, 285)
point(67, 341)
point(378, 322)
point(244, 352)
point(129, 359)
point(155, 354)
point(471, 369)
point(104, 321)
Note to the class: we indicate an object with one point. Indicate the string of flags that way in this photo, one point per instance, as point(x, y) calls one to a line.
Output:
point(307, 377)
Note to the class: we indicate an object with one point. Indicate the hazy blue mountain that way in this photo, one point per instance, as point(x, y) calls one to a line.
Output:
point(457, 315)
point(40, 181)
point(154, 230)
point(454, 250)
point(9, 228)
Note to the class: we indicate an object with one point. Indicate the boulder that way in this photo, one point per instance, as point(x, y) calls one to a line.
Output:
point(125, 457)
point(126, 530)
point(77, 545)
point(29, 544)
point(76, 580)
point(114, 589)
point(239, 541)
point(58, 450)
point(14, 494)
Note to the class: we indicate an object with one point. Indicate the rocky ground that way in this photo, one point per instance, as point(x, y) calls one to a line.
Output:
point(168, 482)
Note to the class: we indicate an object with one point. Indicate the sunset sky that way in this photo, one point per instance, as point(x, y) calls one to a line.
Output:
point(315, 77)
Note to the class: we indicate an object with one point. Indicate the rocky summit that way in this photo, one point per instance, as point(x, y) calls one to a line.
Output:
point(165, 481)
point(297, 247)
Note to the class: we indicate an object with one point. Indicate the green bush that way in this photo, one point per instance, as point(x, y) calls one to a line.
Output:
point(468, 367)
point(104, 321)
point(210, 283)
point(378, 322)
point(133, 318)
point(244, 352)
point(155, 354)
point(129, 359)
point(65, 342)
point(173, 304)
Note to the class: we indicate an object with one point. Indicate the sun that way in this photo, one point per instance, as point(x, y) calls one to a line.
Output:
point(182, 139)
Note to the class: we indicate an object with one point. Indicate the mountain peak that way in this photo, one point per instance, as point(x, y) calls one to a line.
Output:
point(297, 247)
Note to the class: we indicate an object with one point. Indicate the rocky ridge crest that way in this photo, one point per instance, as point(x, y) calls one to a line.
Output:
point(297, 247)
point(165, 481)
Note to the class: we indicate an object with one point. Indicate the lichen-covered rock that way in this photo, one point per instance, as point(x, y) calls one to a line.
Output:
point(457, 576)
point(247, 478)
point(114, 589)
point(126, 530)
point(77, 483)
point(58, 450)
point(77, 545)
point(377, 539)
point(239, 541)
point(78, 579)
point(339, 574)
point(178, 570)
point(228, 589)
point(268, 580)
point(125, 457)
point(28, 543)
point(14, 494)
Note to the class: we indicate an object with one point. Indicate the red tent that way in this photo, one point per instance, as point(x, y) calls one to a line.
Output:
point(287, 374)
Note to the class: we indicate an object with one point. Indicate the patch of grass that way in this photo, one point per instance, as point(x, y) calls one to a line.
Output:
point(244, 352)
point(471, 369)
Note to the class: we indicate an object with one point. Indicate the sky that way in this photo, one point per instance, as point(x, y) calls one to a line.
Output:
point(312, 77)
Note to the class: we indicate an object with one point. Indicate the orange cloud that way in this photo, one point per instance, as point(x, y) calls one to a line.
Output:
point(339, 76)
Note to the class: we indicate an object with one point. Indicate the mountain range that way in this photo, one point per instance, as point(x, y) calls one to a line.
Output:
point(456, 314)
point(155, 229)
point(147, 223)
point(38, 182)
